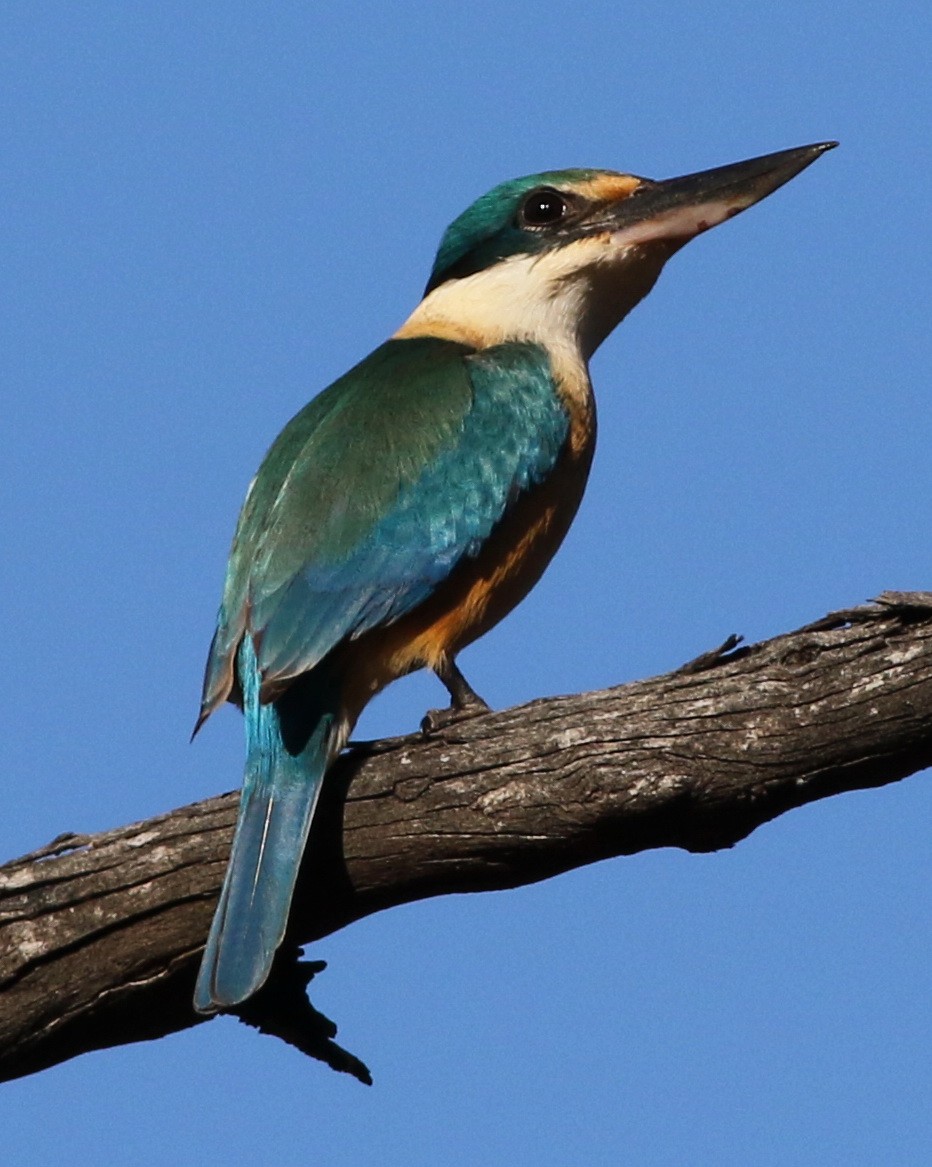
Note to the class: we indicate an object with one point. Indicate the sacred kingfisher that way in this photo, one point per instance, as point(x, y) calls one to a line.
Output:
point(409, 507)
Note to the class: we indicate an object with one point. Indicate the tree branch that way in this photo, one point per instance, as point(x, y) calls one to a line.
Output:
point(100, 935)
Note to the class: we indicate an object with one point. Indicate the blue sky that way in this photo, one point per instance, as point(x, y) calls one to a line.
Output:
point(209, 212)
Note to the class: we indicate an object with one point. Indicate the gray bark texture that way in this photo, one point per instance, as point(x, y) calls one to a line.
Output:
point(100, 935)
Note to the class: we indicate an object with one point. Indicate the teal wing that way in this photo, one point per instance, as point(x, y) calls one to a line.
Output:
point(375, 491)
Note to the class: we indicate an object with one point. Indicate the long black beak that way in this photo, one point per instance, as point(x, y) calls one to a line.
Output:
point(676, 209)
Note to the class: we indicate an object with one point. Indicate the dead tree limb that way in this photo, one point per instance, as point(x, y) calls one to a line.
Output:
point(100, 935)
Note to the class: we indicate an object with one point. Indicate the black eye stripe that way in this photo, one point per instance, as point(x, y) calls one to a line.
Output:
point(543, 207)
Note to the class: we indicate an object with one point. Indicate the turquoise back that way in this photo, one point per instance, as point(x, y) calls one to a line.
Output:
point(375, 491)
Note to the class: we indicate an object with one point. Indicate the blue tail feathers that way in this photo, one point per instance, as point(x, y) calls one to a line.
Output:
point(280, 791)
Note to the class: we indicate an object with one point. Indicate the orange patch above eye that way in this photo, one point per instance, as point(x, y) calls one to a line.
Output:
point(609, 187)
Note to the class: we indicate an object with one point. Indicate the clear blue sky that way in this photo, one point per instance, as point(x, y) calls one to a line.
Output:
point(210, 211)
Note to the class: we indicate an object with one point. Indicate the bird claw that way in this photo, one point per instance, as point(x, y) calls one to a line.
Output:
point(435, 720)
point(717, 656)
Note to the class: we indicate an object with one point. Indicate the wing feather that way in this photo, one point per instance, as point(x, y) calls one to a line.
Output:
point(399, 470)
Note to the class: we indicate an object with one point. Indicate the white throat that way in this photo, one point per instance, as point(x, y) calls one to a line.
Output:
point(567, 300)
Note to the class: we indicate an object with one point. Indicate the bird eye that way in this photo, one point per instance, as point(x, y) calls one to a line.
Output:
point(543, 208)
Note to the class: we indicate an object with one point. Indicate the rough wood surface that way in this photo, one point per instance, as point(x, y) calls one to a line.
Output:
point(100, 935)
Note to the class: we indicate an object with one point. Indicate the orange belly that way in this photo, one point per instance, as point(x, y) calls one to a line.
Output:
point(479, 592)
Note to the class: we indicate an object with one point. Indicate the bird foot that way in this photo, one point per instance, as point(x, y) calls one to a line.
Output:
point(435, 720)
point(708, 660)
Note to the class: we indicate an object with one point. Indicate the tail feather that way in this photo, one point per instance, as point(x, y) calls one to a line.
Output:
point(280, 793)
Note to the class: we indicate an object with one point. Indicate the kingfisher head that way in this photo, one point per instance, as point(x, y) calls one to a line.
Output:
point(562, 256)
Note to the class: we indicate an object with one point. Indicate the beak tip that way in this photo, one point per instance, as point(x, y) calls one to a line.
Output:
point(804, 156)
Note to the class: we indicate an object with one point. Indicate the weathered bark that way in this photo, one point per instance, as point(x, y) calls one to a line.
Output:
point(100, 935)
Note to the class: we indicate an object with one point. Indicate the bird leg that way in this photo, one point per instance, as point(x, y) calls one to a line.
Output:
point(464, 700)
